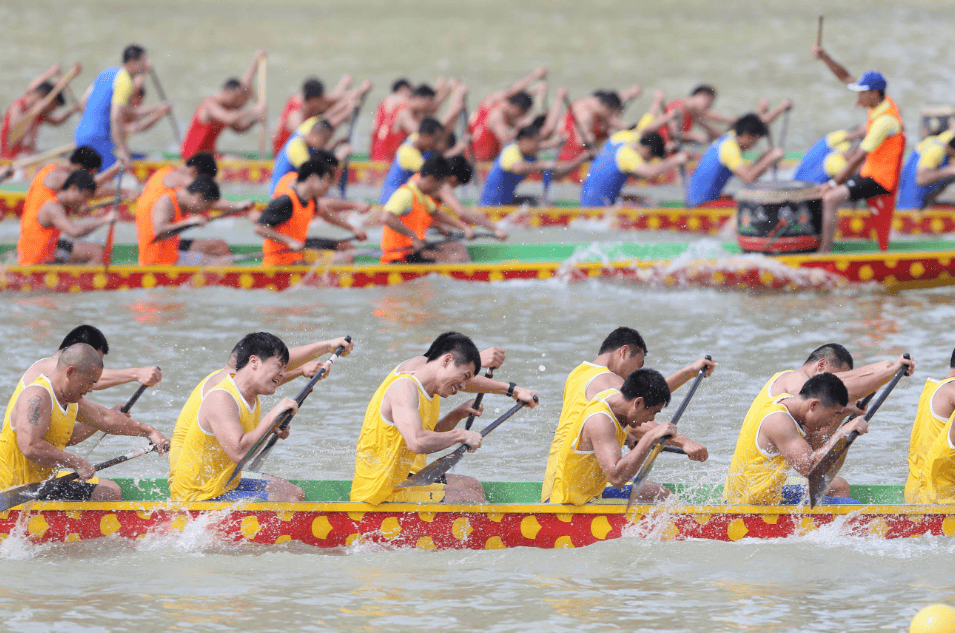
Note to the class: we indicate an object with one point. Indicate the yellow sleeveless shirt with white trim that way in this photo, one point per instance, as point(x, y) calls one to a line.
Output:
point(15, 468)
point(188, 415)
point(925, 429)
point(382, 458)
point(940, 468)
point(756, 477)
point(203, 467)
point(575, 401)
point(578, 477)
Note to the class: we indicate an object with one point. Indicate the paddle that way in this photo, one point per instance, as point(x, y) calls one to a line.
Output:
point(438, 468)
point(12, 497)
point(782, 142)
point(466, 131)
point(454, 237)
point(311, 243)
point(164, 99)
point(343, 181)
point(573, 118)
point(283, 420)
point(108, 246)
point(822, 474)
point(21, 127)
point(126, 408)
point(644, 469)
point(261, 89)
point(477, 401)
point(29, 161)
point(168, 233)
point(819, 32)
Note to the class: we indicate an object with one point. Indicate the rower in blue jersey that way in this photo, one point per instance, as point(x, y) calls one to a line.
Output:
point(411, 156)
point(516, 161)
point(312, 135)
point(621, 160)
point(107, 101)
point(928, 170)
point(724, 159)
point(827, 156)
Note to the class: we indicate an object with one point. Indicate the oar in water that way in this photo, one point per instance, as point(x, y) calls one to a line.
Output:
point(283, 421)
point(438, 468)
point(343, 181)
point(822, 474)
point(168, 233)
point(126, 408)
point(12, 497)
point(163, 98)
point(454, 237)
point(647, 465)
point(108, 246)
point(477, 401)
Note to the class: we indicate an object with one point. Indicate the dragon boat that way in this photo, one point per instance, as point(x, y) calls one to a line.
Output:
point(907, 264)
point(512, 517)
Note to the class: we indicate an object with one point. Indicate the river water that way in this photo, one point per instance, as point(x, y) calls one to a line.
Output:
point(821, 582)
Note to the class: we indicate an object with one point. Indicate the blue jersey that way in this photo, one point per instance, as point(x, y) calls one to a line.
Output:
point(711, 175)
point(501, 183)
point(407, 162)
point(94, 127)
point(607, 175)
point(811, 167)
point(911, 194)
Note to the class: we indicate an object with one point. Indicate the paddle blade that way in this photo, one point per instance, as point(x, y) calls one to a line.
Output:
point(821, 476)
point(12, 497)
point(643, 473)
point(434, 471)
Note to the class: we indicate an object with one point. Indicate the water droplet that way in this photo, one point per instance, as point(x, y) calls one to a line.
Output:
point(541, 368)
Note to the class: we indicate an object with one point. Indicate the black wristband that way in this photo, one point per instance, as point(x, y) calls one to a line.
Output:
point(510, 389)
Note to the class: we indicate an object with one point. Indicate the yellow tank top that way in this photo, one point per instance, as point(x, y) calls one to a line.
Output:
point(203, 467)
point(15, 468)
point(382, 459)
point(765, 396)
point(188, 415)
point(940, 468)
point(575, 401)
point(578, 477)
point(16, 393)
point(755, 476)
point(925, 429)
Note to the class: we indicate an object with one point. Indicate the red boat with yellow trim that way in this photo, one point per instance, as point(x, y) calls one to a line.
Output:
point(513, 517)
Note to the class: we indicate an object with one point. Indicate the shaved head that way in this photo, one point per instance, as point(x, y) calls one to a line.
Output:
point(80, 356)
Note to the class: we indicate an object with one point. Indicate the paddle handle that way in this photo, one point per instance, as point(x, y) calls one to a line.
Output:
point(496, 423)
point(300, 398)
point(819, 32)
point(689, 394)
point(116, 460)
point(573, 117)
point(477, 401)
point(676, 450)
point(888, 389)
point(163, 98)
point(108, 246)
point(343, 181)
point(129, 405)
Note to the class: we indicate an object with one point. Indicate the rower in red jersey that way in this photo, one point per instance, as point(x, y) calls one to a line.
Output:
point(423, 102)
point(498, 118)
point(312, 101)
point(225, 109)
point(388, 109)
point(599, 117)
point(35, 103)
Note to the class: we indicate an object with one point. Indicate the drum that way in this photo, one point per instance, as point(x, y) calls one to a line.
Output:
point(937, 119)
point(779, 217)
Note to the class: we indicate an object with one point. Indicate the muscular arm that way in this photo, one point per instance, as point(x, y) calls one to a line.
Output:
point(401, 405)
point(163, 214)
point(148, 376)
point(862, 381)
point(779, 431)
point(679, 378)
point(447, 197)
point(31, 418)
point(835, 67)
point(53, 214)
point(749, 173)
point(112, 421)
point(600, 433)
point(220, 415)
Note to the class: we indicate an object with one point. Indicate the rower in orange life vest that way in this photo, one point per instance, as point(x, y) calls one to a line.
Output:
point(312, 101)
point(928, 170)
point(519, 159)
point(411, 156)
point(159, 209)
point(935, 409)
point(46, 216)
point(498, 117)
point(879, 155)
point(621, 353)
point(51, 177)
point(423, 102)
point(225, 108)
point(284, 223)
point(27, 106)
point(106, 104)
point(598, 116)
point(724, 159)
point(411, 211)
point(169, 178)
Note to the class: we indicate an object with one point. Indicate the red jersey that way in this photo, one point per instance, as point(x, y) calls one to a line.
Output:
point(685, 123)
point(27, 142)
point(573, 148)
point(201, 137)
point(385, 141)
point(486, 145)
point(282, 135)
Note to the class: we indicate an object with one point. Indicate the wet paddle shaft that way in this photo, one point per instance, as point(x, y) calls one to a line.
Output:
point(126, 408)
point(283, 421)
point(644, 471)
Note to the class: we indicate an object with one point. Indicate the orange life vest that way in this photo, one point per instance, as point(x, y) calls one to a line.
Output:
point(884, 163)
point(296, 227)
point(394, 245)
point(166, 252)
point(37, 243)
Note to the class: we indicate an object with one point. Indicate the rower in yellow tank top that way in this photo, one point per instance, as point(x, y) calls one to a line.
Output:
point(765, 395)
point(188, 415)
point(13, 399)
point(927, 426)
point(578, 476)
point(756, 476)
point(15, 468)
point(382, 458)
point(203, 467)
point(939, 477)
point(575, 401)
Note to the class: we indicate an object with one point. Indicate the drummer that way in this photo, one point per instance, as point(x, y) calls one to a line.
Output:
point(724, 159)
point(593, 454)
point(827, 156)
point(776, 438)
point(927, 172)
